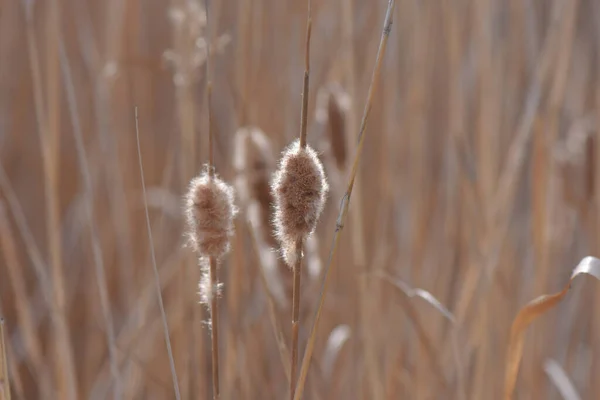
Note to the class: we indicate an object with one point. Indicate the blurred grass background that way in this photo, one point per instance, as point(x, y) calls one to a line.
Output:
point(478, 183)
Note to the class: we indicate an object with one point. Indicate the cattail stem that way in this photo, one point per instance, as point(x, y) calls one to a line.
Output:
point(4, 381)
point(211, 159)
point(214, 321)
point(298, 264)
point(304, 114)
point(387, 27)
point(214, 279)
point(295, 317)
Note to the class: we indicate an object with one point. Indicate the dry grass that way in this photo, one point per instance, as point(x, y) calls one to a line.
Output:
point(478, 184)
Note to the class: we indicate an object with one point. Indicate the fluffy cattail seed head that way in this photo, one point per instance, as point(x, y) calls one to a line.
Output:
point(299, 188)
point(210, 210)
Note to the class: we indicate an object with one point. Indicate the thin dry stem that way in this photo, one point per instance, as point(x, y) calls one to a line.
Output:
point(284, 353)
point(214, 318)
point(304, 113)
point(295, 317)
point(387, 27)
point(25, 318)
point(214, 282)
point(4, 378)
point(211, 156)
point(48, 129)
point(89, 209)
point(154, 266)
point(298, 264)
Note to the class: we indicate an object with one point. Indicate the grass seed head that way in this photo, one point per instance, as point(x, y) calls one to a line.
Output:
point(210, 210)
point(299, 188)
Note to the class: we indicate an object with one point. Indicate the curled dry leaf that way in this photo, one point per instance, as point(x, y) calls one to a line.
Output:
point(426, 341)
point(590, 266)
point(423, 294)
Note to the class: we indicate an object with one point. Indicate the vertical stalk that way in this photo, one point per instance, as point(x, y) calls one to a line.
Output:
point(295, 317)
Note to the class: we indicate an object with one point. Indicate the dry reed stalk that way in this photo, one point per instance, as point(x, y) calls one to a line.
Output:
point(347, 26)
point(31, 248)
point(299, 189)
point(187, 21)
point(594, 185)
point(234, 301)
point(295, 318)
point(387, 27)
point(486, 143)
point(497, 213)
point(4, 376)
point(132, 333)
point(104, 68)
point(284, 353)
point(25, 318)
point(210, 212)
point(214, 281)
point(421, 188)
point(245, 66)
point(49, 130)
point(214, 333)
point(545, 205)
point(155, 268)
point(86, 177)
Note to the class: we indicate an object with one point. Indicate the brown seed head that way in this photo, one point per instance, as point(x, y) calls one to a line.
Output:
point(253, 161)
point(210, 210)
point(299, 188)
point(333, 105)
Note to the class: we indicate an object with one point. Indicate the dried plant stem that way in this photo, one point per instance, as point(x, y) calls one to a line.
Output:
point(211, 154)
point(387, 27)
point(86, 176)
point(304, 114)
point(154, 267)
point(4, 379)
point(295, 317)
point(284, 353)
point(25, 317)
point(214, 321)
point(298, 264)
point(214, 281)
point(49, 131)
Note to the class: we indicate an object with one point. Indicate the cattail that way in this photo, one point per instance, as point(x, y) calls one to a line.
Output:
point(300, 189)
point(333, 105)
point(210, 210)
point(254, 163)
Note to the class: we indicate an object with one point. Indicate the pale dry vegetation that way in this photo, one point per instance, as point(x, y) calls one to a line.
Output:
point(477, 191)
